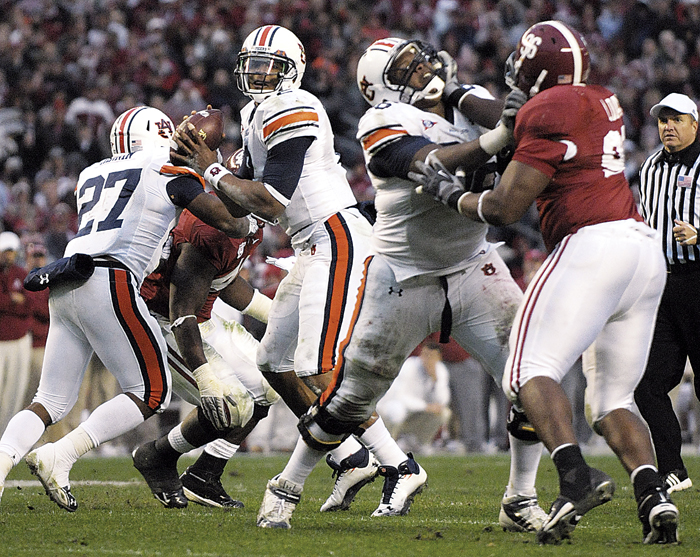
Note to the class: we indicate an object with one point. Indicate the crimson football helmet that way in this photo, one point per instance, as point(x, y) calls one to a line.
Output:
point(380, 78)
point(549, 53)
point(271, 59)
point(140, 128)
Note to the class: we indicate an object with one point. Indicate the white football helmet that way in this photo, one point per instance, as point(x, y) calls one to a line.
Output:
point(140, 128)
point(380, 79)
point(271, 59)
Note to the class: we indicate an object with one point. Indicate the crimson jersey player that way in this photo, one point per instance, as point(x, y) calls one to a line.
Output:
point(596, 294)
point(204, 265)
point(226, 254)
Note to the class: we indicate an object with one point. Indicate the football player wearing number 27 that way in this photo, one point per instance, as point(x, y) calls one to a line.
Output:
point(601, 283)
point(127, 205)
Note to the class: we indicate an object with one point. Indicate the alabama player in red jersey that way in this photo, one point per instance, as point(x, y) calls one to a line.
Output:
point(204, 265)
point(600, 285)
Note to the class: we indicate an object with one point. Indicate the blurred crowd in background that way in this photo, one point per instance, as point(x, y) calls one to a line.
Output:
point(69, 67)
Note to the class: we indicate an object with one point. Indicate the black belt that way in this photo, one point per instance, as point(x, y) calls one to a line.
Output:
point(683, 268)
point(110, 264)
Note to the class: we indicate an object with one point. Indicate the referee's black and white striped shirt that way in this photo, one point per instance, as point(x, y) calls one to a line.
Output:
point(669, 188)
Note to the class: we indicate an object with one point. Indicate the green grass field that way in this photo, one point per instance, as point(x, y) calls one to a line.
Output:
point(456, 515)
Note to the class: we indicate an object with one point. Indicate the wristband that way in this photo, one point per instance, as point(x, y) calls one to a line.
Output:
point(214, 173)
point(480, 209)
point(493, 141)
point(459, 201)
point(259, 307)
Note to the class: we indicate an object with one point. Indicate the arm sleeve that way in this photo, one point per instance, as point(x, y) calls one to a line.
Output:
point(284, 164)
point(183, 189)
point(396, 157)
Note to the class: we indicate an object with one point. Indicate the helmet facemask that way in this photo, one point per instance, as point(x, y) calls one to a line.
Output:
point(262, 74)
point(403, 65)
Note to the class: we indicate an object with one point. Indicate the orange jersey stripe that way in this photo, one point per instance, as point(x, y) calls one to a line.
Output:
point(294, 118)
point(170, 170)
point(375, 137)
point(147, 352)
point(340, 363)
point(337, 291)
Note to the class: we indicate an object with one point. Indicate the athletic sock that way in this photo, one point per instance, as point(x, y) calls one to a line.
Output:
point(382, 445)
point(524, 460)
point(645, 479)
point(209, 464)
point(348, 447)
point(574, 473)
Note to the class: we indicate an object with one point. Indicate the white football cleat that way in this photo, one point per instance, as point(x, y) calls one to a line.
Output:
point(400, 487)
point(44, 465)
point(520, 513)
point(280, 499)
point(351, 475)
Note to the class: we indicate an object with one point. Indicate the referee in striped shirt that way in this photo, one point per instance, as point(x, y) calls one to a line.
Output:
point(670, 203)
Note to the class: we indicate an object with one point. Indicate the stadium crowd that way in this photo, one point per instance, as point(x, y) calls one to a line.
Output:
point(68, 68)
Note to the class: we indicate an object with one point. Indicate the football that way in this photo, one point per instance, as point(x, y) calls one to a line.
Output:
point(209, 124)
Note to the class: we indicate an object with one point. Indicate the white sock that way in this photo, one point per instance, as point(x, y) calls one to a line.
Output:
point(6, 464)
point(112, 418)
point(524, 460)
point(220, 448)
point(68, 449)
point(178, 442)
point(22, 432)
point(301, 463)
point(346, 448)
point(382, 445)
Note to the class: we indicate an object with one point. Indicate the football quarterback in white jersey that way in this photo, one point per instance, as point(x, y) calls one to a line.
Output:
point(426, 272)
point(127, 205)
point(296, 179)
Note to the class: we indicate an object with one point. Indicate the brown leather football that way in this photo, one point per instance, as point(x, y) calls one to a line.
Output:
point(209, 124)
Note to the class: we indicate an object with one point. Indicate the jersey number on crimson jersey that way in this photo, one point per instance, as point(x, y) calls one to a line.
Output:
point(93, 188)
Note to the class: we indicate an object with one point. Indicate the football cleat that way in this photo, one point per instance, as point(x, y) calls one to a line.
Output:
point(43, 464)
point(280, 499)
point(677, 480)
point(566, 513)
point(205, 489)
point(160, 475)
point(351, 475)
point(659, 517)
point(520, 513)
point(401, 485)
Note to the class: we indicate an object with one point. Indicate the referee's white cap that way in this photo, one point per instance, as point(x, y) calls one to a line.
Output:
point(678, 102)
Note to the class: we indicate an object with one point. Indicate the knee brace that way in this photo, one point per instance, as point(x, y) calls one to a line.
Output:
point(519, 426)
point(321, 431)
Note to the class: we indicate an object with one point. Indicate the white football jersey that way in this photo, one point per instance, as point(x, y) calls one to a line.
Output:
point(124, 210)
point(417, 234)
point(323, 189)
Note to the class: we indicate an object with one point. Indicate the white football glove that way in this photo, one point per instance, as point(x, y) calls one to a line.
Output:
point(222, 407)
point(436, 180)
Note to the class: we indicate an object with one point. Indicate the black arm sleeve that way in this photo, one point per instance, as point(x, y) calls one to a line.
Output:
point(183, 189)
point(395, 159)
point(285, 163)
